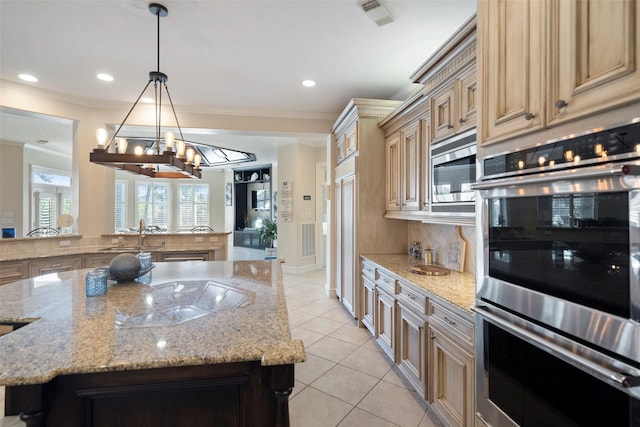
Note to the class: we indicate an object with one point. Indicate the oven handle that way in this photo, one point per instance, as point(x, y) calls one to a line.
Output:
point(633, 170)
point(601, 372)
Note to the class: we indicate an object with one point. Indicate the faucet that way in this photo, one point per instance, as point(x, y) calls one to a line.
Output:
point(141, 229)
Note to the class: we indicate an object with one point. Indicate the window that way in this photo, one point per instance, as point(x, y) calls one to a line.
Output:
point(120, 205)
point(194, 205)
point(152, 204)
point(51, 197)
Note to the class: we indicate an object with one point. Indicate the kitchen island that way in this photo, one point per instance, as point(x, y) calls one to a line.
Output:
point(205, 343)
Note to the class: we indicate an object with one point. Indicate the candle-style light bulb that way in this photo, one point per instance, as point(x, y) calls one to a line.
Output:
point(169, 138)
point(138, 150)
point(101, 136)
point(190, 153)
point(180, 148)
point(122, 145)
point(197, 159)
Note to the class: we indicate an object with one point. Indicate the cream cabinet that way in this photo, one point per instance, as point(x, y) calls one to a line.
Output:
point(431, 340)
point(453, 106)
point(452, 364)
point(346, 251)
point(393, 172)
point(407, 159)
point(358, 203)
point(452, 387)
point(511, 68)
point(181, 256)
point(98, 260)
point(403, 168)
point(546, 63)
point(347, 143)
point(595, 57)
point(386, 322)
point(369, 297)
point(412, 349)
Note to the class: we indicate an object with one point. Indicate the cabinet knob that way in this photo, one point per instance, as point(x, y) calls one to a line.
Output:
point(462, 120)
point(561, 103)
point(433, 337)
point(529, 116)
point(449, 126)
point(451, 322)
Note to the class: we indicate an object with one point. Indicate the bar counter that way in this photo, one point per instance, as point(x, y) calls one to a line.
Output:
point(212, 338)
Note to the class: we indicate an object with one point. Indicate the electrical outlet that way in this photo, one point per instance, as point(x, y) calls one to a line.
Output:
point(213, 238)
point(65, 243)
point(114, 240)
point(199, 239)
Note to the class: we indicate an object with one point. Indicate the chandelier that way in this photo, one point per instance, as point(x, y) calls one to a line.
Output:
point(154, 157)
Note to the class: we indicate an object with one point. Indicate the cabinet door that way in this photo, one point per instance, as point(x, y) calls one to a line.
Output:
point(442, 113)
point(425, 154)
point(595, 58)
point(386, 323)
point(351, 140)
point(452, 384)
point(11, 271)
point(410, 167)
point(347, 243)
point(510, 70)
point(392, 157)
point(467, 99)
point(411, 348)
point(369, 304)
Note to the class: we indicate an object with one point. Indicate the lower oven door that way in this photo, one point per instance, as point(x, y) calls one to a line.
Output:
point(530, 376)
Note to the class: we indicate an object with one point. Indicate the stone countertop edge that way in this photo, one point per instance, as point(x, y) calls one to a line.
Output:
point(93, 250)
point(457, 288)
point(67, 338)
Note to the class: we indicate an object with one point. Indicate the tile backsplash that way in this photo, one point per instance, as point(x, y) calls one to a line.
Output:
point(437, 237)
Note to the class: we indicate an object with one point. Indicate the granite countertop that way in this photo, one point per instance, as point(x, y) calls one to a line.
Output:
point(237, 313)
point(456, 288)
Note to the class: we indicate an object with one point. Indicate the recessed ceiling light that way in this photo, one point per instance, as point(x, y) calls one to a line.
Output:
point(308, 83)
point(27, 78)
point(105, 77)
point(146, 100)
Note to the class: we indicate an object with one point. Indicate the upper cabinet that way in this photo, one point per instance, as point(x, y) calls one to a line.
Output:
point(595, 57)
point(449, 79)
point(546, 63)
point(406, 136)
point(444, 110)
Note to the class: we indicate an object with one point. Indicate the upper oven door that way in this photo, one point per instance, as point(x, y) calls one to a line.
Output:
point(453, 169)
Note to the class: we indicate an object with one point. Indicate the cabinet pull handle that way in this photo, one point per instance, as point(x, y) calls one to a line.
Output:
point(56, 265)
point(561, 103)
point(411, 297)
point(529, 116)
point(449, 126)
point(433, 337)
point(451, 322)
point(462, 120)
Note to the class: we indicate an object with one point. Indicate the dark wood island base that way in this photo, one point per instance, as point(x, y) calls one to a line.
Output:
point(231, 394)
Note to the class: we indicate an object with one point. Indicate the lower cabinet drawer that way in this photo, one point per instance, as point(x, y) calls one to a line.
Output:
point(54, 265)
point(412, 298)
point(455, 324)
point(387, 282)
point(183, 256)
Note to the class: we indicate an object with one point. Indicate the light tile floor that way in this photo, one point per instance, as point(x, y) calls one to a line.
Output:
point(347, 381)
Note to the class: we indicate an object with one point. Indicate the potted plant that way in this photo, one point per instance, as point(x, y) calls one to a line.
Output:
point(268, 235)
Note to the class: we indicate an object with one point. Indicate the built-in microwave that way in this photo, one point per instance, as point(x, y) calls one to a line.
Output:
point(453, 172)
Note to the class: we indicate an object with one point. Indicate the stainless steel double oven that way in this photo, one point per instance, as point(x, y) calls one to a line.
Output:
point(558, 283)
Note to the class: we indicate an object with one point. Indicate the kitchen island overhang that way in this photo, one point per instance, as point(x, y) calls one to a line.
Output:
point(83, 361)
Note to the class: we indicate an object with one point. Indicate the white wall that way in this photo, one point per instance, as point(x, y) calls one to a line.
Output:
point(12, 210)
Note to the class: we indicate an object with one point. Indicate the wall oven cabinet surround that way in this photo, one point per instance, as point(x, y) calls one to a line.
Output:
point(358, 203)
point(558, 282)
point(551, 62)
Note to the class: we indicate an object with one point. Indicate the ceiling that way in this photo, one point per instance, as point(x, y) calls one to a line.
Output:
point(222, 57)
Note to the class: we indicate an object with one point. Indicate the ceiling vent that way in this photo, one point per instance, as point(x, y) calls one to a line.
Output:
point(377, 12)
